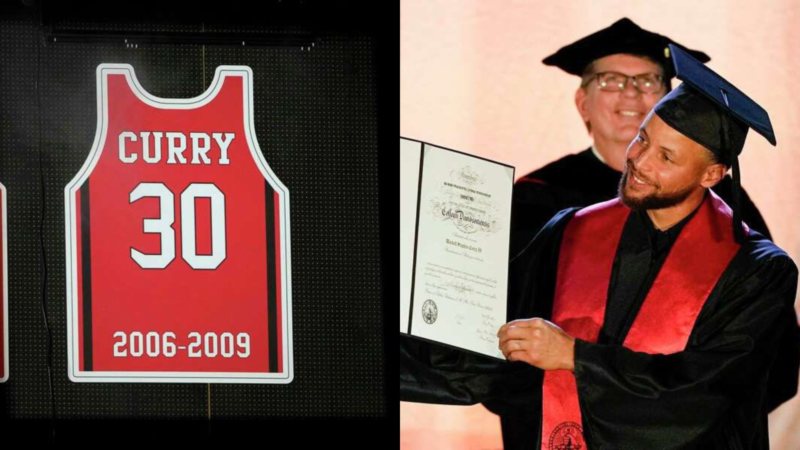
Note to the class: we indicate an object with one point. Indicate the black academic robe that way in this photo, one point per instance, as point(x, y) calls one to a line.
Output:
point(582, 180)
point(712, 395)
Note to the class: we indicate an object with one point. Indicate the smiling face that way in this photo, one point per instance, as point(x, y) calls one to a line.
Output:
point(614, 117)
point(664, 168)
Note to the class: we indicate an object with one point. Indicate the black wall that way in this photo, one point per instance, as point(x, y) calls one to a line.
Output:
point(317, 80)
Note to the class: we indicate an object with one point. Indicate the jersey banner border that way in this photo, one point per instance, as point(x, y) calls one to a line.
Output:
point(74, 371)
point(4, 287)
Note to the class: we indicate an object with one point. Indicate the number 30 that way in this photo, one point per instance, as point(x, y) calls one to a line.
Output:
point(163, 226)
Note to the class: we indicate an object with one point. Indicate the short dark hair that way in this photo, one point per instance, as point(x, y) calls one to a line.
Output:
point(717, 159)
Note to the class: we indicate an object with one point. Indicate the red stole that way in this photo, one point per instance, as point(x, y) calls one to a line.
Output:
point(702, 251)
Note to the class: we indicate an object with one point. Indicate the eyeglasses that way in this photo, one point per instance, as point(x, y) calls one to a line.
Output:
point(646, 83)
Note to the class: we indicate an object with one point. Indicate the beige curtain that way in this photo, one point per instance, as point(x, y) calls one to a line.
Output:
point(471, 78)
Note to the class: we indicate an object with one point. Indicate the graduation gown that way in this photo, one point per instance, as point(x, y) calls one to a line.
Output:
point(712, 395)
point(581, 180)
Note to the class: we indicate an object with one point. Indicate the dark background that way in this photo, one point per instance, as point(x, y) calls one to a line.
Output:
point(324, 101)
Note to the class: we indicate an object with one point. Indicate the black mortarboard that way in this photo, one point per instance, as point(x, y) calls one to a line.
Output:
point(709, 110)
point(623, 36)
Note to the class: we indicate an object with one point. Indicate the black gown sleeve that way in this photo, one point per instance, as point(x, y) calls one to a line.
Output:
point(711, 395)
point(783, 379)
point(435, 373)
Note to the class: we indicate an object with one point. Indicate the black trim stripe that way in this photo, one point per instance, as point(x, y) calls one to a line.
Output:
point(416, 239)
point(87, 277)
point(272, 306)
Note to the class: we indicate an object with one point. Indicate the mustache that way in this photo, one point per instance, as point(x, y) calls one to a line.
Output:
point(630, 169)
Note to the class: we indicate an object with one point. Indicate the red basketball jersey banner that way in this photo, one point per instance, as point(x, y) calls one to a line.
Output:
point(3, 288)
point(177, 237)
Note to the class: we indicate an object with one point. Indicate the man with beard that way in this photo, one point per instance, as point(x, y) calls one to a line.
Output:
point(651, 320)
point(624, 71)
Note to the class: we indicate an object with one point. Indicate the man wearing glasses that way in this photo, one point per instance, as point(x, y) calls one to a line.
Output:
point(624, 72)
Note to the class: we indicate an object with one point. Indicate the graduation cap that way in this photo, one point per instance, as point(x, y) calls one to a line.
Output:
point(623, 36)
point(709, 110)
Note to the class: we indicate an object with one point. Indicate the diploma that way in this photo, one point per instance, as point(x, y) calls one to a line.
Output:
point(455, 212)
